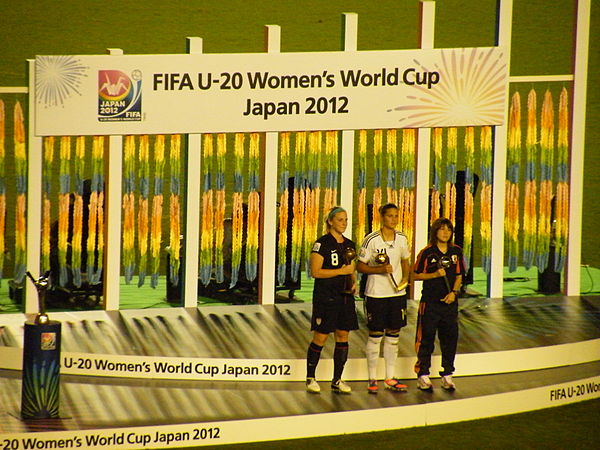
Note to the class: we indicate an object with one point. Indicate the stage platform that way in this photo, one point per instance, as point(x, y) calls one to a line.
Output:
point(215, 375)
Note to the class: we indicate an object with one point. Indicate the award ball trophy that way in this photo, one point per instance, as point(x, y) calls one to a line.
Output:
point(41, 360)
point(383, 259)
point(444, 263)
point(349, 256)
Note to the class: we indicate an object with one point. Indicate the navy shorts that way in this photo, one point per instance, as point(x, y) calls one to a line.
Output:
point(387, 313)
point(334, 314)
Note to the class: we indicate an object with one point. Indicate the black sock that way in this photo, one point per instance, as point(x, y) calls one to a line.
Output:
point(312, 359)
point(340, 355)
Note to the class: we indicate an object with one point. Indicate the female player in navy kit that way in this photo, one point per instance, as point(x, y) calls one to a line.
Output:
point(441, 267)
point(333, 301)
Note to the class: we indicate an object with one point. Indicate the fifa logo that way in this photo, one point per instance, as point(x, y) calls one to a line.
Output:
point(119, 96)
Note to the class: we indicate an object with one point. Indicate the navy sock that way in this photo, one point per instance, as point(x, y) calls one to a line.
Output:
point(312, 359)
point(340, 355)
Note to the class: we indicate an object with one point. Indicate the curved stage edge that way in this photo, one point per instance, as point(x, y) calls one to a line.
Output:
point(515, 355)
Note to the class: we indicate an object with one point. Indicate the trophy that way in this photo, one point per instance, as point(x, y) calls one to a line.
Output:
point(41, 285)
point(444, 263)
point(349, 256)
point(383, 258)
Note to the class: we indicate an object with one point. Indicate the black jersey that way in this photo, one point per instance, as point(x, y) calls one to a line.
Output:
point(332, 252)
point(429, 260)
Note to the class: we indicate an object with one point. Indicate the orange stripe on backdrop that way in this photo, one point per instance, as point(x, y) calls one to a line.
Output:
point(378, 173)
point(157, 208)
point(143, 220)
point(546, 174)
point(63, 208)
point(408, 204)
point(206, 235)
point(129, 208)
point(220, 207)
point(392, 162)
point(434, 212)
point(361, 208)
point(77, 238)
point(282, 243)
point(21, 172)
point(46, 204)
point(298, 218)
point(175, 209)
point(562, 188)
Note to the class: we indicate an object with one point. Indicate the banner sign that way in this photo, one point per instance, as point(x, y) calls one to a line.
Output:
point(210, 93)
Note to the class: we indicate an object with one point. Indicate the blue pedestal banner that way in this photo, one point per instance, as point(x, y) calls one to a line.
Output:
point(41, 371)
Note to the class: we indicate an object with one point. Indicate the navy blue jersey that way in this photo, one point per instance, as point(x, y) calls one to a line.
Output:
point(332, 252)
point(428, 261)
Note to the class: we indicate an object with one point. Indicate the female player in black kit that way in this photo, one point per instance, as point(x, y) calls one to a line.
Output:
point(441, 267)
point(333, 308)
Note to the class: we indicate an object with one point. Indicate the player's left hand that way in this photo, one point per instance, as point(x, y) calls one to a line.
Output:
point(449, 298)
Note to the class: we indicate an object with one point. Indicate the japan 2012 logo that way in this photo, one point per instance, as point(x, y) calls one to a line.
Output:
point(119, 96)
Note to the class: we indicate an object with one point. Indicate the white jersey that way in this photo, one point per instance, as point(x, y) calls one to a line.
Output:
point(379, 284)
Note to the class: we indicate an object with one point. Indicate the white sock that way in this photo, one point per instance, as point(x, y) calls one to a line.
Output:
point(390, 354)
point(372, 352)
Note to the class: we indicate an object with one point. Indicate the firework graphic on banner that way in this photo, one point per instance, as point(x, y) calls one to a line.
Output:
point(407, 183)
point(511, 219)
point(451, 161)
point(434, 213)
point(284, 164)
point(313, 194)
point(46, 204)
point(486, 198)
point(206, 236)
point(530, 197)
point(299, 204)
point(174, 208)
point(253, 208)
point(2, 189)
point(377, 175)
point(129, 208)
point(144, 194)
point(562, 187)
point(157, 208)
point(77, 239)
point(546, 174)
point(392, 163)
point(331, 173)
point(471, 89)
point(468, 219)
point(63, 208)
point(237, 223)
point(95, 242)
point(220, 206)
point(57, 78)
point(21, 181)
point(361, 210)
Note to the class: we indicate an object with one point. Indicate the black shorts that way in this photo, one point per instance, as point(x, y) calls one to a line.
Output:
point(387, 313)
point(334, 314)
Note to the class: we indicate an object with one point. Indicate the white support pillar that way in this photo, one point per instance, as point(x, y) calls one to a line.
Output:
point(192, 205)
point(496, 276)
point(573, 270)
point(347, 187)
point(422, 173)
point(268, 203)
point(113, 180)
point(35, 158)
